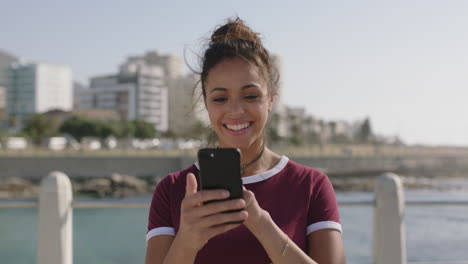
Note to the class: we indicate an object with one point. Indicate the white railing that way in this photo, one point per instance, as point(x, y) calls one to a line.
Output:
point(56, 215)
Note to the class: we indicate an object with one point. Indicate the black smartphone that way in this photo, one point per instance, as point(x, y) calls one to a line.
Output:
point(220, 169)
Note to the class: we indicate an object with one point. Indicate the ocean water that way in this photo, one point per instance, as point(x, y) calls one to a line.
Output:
point(433, 233)
point(117, 236)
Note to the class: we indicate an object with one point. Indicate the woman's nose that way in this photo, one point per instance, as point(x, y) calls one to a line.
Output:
point(236, 106)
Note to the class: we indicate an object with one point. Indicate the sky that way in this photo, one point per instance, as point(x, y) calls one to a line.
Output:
point(403, 64)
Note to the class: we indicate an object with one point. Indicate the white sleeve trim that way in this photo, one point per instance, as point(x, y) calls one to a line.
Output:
point(160, 231)
point(324, 225)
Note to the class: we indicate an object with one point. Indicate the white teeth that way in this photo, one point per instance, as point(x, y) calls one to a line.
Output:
point(238, 127)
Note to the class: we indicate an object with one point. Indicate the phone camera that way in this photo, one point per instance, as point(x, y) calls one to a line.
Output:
point(212, 155)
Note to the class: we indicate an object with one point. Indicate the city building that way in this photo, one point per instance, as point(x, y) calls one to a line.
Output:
point(82, 96)
point(2, 97)
point(138, 91)
point(36, 88)
point(6, 60)
point(279, 113)
point(2, 106)
point(172, 65)
point(182, 101)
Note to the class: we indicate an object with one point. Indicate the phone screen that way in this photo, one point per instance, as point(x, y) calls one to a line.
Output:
point(220, 169)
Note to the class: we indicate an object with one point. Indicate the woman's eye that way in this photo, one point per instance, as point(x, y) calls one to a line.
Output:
point(252, 97)
point(219, 99)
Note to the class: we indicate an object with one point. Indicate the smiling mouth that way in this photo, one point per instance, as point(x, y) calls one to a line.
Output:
point(238, 127)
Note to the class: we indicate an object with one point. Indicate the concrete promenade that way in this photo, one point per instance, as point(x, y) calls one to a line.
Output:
point(429, 162)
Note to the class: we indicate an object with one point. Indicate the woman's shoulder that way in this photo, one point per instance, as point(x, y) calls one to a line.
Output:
point(178, 177)
point(304, 170)
point(299, 172)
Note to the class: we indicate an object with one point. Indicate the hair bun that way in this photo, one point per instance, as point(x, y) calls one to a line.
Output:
point(235, 30)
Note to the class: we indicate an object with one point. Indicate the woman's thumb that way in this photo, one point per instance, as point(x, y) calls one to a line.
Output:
point(191, 184)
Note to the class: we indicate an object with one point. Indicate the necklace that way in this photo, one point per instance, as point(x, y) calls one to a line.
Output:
point(243, 166)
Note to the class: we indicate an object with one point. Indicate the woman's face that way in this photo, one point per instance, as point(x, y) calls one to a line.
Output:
point(238, 103)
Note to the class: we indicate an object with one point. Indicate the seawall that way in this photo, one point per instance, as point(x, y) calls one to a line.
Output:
point(34, 167)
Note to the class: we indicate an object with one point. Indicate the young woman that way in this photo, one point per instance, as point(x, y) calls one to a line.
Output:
point(289, 211)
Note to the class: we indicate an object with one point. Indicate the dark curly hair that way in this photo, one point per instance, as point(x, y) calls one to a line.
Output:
point(236, 40)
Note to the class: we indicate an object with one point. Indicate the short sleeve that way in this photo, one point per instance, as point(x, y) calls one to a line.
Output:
point(160, 220)
point(323, 212)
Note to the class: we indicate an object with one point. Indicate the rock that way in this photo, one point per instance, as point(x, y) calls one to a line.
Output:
point(101, 187)
point(353, 184)
point(125, 185)
point(417, 183)
point(18, 188)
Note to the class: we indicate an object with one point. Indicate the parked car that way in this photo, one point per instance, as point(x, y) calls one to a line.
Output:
point(55, 143)
point(16, 143)
point(110, 143)
point(91, 143)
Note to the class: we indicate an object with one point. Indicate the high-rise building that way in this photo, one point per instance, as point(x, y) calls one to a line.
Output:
point(2, 106)
point(5, 61)
point(172, 65)
point(279, 109)
point(82, 96)
point(138, 91)
point(36, 88)
point(2, 97)
point(182, 110)
point(278, 64)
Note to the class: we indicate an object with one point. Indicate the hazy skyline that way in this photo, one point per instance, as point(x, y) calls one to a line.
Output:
point(402, 63)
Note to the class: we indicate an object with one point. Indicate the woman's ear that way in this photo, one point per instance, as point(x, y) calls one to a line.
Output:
point(270, 103)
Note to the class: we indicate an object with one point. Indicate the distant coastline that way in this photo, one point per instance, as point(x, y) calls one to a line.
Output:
point(126, 174)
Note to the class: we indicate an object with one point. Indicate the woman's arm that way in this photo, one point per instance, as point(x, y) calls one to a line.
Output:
point(198, 223)
point(326, 246)
point(279, 247)
point(157, 248)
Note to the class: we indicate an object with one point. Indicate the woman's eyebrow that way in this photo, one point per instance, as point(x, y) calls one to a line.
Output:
point(218, 89)
point(222, 89)
point(251, 85)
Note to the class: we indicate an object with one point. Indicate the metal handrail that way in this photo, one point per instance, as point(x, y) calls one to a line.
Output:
point(409, 203)
point(18, 204)
point(104, 204)
point(77, 204)
point(96, 205)
point(440, 262)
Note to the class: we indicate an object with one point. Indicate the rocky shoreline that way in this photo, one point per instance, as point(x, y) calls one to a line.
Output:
point(113, 186)
point(122, 186)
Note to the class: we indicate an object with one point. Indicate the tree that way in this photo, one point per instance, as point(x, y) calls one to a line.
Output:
point(79, 127)
point(332, 125)
point(364, 134)
point(104, 129)
point(200, 130)
point(312, 137)
point(295, 140)
point(124, 129)
point(273, 135)
point(144, 129)
point(38, 127)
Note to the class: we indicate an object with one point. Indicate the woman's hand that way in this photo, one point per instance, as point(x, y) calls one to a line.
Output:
point(199, 222)
point(255, 212)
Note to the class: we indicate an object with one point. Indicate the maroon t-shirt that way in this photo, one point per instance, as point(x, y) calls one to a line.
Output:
point(299, 199)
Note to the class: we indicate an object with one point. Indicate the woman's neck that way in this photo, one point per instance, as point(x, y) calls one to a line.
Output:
point(268, 160)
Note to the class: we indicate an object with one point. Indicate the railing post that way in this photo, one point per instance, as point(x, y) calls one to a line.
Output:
point(54, 239)
point(389, 229)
